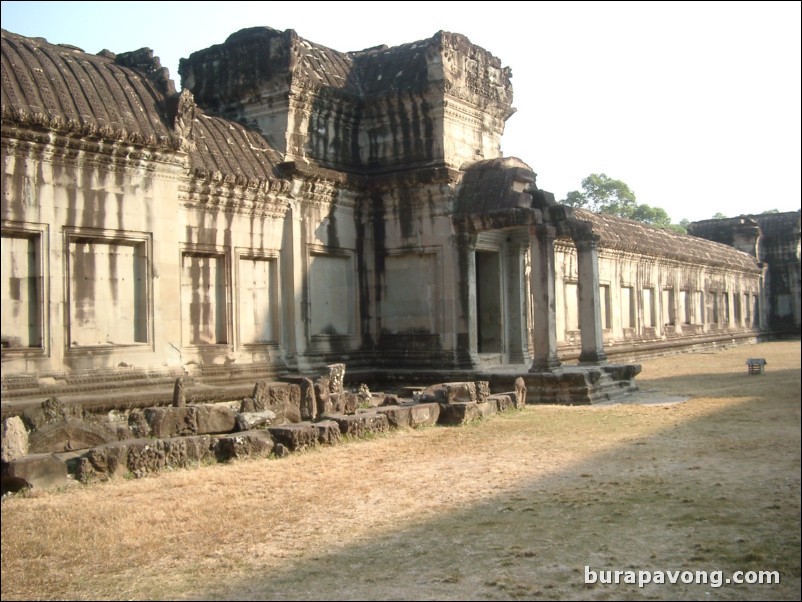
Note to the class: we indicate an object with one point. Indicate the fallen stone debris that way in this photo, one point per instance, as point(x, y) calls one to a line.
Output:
point(49, 445)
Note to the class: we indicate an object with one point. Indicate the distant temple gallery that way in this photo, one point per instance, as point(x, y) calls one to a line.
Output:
point(294, 206)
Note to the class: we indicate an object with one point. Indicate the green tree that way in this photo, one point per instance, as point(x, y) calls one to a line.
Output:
point(656, 216)
point(719, 215)
point(681, 227)
point(603, 194)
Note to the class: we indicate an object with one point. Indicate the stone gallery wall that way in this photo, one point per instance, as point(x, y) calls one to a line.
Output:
point(295, 206)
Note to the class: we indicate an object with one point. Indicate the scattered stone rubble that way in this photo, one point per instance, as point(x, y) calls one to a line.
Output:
point(47, 445)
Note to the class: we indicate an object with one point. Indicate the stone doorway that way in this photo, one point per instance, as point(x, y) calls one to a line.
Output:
point(489, 303)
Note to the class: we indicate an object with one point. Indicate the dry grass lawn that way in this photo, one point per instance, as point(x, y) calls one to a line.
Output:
point(510, 508)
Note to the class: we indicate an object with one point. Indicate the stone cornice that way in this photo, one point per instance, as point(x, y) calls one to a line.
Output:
point(55, 146)
point(232, 198)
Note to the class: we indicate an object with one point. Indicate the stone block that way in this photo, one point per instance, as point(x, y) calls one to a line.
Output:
point(397, 416)
point(424, 414)
point(171, 422)
point(322, 396)
point(282, 398)
point(504, 401)
point(482, 390)
point(146, 456)
point(358, 425)
point(308, 403)
point(181, 452)
point(247, 444)
point(487, 408)
point(391, 400)
point(68, 435)
point(39, 471)
point(214, 418)
point(294, 436)
point(343, 403)
point(138, 424)
point(247, 406)
point(281, 451)
point(14, 443)
point(336, 377)
point(247, 421)
point(152, 455)
point(458, 413)
point(104, 462)
point(328, 432)
point(457, 392)
point(49, 411)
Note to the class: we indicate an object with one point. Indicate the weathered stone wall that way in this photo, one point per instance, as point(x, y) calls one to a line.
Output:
point(439, 101)
point(777, 244)
point(88, 253)
point(370, 217)
point(650, 299)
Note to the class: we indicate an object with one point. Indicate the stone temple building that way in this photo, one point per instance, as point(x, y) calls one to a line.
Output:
point(294, 206)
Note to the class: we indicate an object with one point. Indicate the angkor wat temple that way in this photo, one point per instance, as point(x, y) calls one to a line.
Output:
point(294, 206)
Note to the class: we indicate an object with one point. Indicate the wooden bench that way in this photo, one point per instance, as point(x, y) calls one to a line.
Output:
point(756, 365)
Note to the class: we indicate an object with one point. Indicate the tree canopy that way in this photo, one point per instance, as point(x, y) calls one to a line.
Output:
point(602, 194)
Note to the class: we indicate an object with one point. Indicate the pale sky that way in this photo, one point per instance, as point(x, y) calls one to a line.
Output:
point(696, 106)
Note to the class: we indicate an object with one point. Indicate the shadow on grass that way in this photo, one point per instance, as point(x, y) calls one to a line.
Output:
point(712, 493)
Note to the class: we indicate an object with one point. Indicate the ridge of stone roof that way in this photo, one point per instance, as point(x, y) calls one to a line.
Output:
point(62, 88)
point(637, 237)
point(125, 97)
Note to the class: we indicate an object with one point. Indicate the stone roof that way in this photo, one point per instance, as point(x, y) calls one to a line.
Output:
point(225, 149)
point(126, 97)
point(258, 57)
point(723, 230)
point(494, 185)
point(636, 237)
point(382, 70)
point(65, 89)
point(250, 57)
point(780, 226)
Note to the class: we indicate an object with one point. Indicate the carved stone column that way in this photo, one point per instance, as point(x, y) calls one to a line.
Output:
point(544, 322)
point(517, 328)
point(293, 271)
point(587, 249)
point(467, 333)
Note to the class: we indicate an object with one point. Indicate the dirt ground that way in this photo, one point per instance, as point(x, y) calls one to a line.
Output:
point(514, 507)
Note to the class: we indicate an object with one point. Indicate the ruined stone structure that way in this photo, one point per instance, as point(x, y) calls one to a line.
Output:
point(772, 238)
point(295, 206)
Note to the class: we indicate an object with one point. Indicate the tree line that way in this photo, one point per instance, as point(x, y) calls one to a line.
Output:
point(602, 194)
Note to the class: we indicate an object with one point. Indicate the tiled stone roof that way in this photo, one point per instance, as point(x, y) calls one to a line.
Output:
point(230, 149)
point(64, 89)
point(126, 97)
point(637, 237)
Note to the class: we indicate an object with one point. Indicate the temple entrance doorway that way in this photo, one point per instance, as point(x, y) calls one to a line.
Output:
point(489, 304)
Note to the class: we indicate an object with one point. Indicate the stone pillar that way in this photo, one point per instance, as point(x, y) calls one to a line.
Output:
point(467, 249)
point(516, 300)
point(293, 271)
point(587, 250)
point(544, 326)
